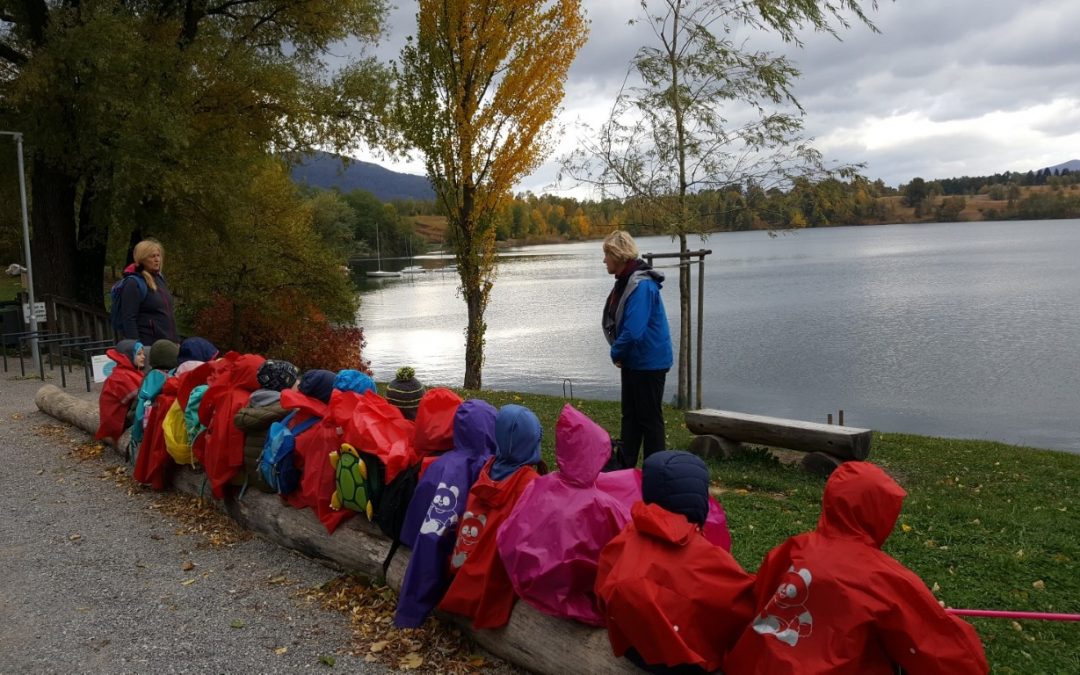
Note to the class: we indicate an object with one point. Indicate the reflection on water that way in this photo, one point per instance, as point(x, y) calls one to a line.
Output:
point(967, 330)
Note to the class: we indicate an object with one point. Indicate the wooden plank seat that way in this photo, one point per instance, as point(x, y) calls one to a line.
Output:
point(721, 432)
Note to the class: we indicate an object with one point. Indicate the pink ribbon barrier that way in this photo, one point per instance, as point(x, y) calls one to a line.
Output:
point(1001, 614)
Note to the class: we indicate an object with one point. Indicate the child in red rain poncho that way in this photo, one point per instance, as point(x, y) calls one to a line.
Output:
point(120, 389)
point(670, 597)
point(830, 601)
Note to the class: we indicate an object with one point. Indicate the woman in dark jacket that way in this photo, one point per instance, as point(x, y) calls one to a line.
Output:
point(146, 304)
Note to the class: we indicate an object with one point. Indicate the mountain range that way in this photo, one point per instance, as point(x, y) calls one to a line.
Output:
point(328, 170)
point(1071, 165)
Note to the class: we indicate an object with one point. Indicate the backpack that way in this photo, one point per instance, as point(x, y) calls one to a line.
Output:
point(176, 438)
point(359, 479)
point(278, 462)
point(391, 508)
point(116, 317)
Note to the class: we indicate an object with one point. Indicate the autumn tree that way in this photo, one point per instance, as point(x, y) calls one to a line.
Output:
point(477, 91)
point(251, 273)
point(703, 110)
point(137, 111)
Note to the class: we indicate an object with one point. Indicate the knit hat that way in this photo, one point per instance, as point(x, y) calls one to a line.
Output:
point(405, 392)
point(196, 349)
point(353, 380)
point(277, 375)
point(678, 482)
point(163, 354)
point(317, 384)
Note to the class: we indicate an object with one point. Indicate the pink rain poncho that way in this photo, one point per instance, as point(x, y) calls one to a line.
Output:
point(551, 542)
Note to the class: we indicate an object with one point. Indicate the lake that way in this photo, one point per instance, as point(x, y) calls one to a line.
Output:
point(946, 329)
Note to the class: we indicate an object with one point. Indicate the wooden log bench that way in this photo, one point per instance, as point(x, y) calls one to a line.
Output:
point(532, 640)
point(722, 432)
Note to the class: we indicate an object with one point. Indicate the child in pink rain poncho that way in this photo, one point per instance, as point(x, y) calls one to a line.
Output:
point(551, 542)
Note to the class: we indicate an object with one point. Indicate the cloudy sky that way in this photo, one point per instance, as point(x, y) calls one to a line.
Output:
point(964, 87)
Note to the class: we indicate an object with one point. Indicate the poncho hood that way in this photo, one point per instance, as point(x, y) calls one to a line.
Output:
point(435, 421)
point(474, 428)
point(862, 502)
point(517, 434)
point(582, 447)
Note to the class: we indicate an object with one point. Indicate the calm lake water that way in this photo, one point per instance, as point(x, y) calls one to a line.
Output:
point(950, 329)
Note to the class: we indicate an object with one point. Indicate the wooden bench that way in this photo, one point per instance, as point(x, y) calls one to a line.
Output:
point(827, 445)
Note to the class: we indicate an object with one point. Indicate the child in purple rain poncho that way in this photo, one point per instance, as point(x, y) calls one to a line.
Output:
point(431, 522)
point(550, 544)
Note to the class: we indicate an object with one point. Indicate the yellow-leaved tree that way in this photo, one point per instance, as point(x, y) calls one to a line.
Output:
point(477, 90)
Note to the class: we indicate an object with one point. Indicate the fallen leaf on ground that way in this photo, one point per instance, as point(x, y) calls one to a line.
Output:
point(237, 623)
point(187, 583)
point(75, 537)
point(327, 661)
point(411, 661)
point(379, 646)
point(187, 566)
point(281, 650)
point(1038, 585)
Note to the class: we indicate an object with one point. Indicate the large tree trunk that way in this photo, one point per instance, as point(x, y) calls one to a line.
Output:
point(94, 214)
point(474, 338)
point(53, 245)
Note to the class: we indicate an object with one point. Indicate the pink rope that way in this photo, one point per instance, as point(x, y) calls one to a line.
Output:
point(1000, 614)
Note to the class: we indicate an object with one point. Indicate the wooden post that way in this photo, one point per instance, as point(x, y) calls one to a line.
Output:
point(841, 419)
point(700, 321)
point(828, 419)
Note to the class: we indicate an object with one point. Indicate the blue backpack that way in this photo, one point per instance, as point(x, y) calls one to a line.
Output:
point(277, 464)
point(116, 317)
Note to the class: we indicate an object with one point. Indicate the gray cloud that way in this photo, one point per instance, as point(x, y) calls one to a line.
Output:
point(969, 75)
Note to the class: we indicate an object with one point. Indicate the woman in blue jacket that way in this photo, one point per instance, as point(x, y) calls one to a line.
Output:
point(635, 325)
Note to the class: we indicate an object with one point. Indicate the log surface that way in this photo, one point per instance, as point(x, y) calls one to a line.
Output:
point(531, 640)
point(842, 442)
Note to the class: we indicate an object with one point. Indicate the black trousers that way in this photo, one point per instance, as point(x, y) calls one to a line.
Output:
point(642, 413)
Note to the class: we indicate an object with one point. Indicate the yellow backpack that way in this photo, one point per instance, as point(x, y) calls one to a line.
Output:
point(176, 439)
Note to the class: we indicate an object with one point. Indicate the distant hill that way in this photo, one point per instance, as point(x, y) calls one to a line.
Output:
point(1071, 165)
point(327, 170)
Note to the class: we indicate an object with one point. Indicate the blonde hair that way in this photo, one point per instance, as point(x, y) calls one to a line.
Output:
point(620, 246)
point(143, 250)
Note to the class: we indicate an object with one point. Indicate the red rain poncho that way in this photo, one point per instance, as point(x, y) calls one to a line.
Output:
point(669, 593)
point(223, 454)
point(119, 390)
point(830, 601)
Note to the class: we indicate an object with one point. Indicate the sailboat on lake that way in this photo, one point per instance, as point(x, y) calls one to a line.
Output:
point(378, 252)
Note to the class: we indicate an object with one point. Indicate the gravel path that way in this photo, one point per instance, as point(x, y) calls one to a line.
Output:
point(92, 578)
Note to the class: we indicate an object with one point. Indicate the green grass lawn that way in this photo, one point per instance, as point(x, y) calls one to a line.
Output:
point(986, 525)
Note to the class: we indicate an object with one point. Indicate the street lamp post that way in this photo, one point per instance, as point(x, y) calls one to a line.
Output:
point(26, 242)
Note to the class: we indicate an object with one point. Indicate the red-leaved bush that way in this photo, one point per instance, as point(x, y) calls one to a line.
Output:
point(298, 333)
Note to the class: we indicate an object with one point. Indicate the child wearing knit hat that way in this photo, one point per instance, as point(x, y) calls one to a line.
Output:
point(164, 354)
point(275, 376)
point(405, 392)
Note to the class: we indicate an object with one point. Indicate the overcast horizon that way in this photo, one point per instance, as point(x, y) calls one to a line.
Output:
point(944, 90)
